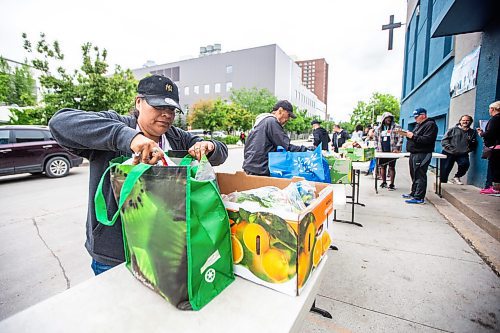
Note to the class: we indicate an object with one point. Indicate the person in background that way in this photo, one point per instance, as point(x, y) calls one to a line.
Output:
point(388, 140)
point(366, 130)
point(145, 135)
point(266, 135)
point(357, 135)
point(420, 145)
point(339, 137)
point(242, 137)
point(491, 137)
point(320, 135)
point(370, 139)
point(457, 143)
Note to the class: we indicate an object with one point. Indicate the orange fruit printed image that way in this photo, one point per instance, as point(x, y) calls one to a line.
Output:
point(326, 240)
point(275, 265)
point(237, 250)
point(256, 238)
point(304, 268)
point(317, 252)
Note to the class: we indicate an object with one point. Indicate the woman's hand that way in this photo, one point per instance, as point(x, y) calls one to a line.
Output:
point(145, 150)
point(201, 148)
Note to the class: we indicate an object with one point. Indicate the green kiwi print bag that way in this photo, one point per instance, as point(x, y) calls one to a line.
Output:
point(176, 231)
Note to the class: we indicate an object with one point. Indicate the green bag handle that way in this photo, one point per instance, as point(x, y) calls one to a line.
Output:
point(101, 210)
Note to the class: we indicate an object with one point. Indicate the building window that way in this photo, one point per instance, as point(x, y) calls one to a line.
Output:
point(206, 89)
point(229, 69)
point(229, 85)
point(196, 90)
point(217, 88)
point(186, 91)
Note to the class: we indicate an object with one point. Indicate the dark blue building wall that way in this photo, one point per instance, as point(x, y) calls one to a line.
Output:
point(487, 92)
point(427, 72)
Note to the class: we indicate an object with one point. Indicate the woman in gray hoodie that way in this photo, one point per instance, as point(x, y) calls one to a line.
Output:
point(457, 143)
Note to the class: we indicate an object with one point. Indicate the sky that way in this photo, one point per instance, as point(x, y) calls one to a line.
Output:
point(347, 34)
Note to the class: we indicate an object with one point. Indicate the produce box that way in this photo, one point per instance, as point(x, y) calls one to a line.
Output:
point(358, 154)
point(340, 170)
point(274, 247)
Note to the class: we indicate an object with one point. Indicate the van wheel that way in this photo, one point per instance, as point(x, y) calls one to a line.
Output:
point(57, 167)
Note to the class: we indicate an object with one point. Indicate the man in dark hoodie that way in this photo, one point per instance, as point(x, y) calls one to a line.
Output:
point(457, 143)
point(320, 135)
point(266, 135)
point(145, 134)
point(420, 145)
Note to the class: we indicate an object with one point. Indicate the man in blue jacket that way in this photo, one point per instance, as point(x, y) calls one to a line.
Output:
point(420, 145)
point(145, 134)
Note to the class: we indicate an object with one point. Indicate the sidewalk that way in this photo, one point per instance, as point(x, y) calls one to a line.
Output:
point(405, 270)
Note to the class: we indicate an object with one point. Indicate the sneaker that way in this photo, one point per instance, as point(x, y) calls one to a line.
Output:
point(392, 187)
point(457, 181)
point(415, 201)
point(407, 196)
point(489, 190)
point(383, 185)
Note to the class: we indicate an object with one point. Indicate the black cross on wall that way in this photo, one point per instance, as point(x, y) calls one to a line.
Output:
point(391, 26)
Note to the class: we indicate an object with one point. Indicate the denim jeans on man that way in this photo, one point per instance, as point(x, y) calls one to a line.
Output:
point(447, 165)
point(99, 268)
point(419, 163)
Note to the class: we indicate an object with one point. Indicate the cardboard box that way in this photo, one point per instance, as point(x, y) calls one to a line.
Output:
point(340, 170)
point(358, 154)
point(273, 247)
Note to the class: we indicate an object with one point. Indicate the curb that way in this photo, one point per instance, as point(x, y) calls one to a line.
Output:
point(486, 246)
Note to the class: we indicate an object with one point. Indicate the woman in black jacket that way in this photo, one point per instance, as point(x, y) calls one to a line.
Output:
point(491, 137)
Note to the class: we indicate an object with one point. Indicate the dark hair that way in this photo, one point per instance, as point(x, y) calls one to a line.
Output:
point(336, 126)
point(466, 115)
point(359, 127)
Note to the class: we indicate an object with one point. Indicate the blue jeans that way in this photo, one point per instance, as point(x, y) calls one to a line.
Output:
point(99, 268)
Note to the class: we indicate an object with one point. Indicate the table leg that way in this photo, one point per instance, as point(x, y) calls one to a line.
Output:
point(357, 189)
point(376, 175)
point(322, 312)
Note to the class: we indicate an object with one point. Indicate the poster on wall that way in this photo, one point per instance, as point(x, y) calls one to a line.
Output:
point(464, 74)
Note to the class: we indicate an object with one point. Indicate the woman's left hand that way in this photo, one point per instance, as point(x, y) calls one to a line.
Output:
point(201, 148)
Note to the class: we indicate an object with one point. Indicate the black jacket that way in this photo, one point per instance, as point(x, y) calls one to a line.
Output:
point(458, 142)
point(100, 137)
point(491, 135)
point(338, 139)
point(321, 138)
point(265, 137)
point(424, 137)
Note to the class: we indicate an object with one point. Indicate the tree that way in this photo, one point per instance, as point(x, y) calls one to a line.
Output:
point(255, 101)
point(237, 118)
point(208, 115)
point(300, 124)
point(16, 86)
point(89, 88)
point(366, 113)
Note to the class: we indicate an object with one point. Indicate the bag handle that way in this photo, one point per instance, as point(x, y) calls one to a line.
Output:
point(101, 210)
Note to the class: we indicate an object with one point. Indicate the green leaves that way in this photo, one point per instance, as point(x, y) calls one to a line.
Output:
point(366, 113)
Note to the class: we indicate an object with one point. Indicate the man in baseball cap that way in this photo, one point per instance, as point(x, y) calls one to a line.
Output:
point(286, 106)
point(159, 91)
point(265, 137)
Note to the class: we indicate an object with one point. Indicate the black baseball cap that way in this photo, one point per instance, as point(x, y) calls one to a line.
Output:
point(285, 105)
point(159, 90)
point(315, 121)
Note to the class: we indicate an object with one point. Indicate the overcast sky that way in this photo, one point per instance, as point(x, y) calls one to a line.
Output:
point(346, 33)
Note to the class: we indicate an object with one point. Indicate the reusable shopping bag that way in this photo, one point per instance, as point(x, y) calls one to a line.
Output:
point(311, 165)
point(176, 231)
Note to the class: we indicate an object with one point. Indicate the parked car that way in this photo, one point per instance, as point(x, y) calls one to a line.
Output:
point(218, 134)
point(30, 148)
point(198, 132)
